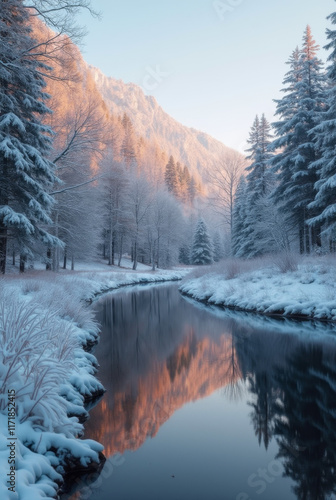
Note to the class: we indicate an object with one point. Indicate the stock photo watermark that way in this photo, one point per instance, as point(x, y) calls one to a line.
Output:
point(153, 78)
point(224, 7)
point(259, 480)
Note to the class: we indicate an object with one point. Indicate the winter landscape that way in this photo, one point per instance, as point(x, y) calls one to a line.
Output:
point(167, 292)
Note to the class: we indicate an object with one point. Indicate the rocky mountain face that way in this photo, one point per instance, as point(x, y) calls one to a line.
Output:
point(78, 85)
point(196, 149)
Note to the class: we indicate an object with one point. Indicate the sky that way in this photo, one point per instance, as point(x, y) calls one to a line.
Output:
point(212, 65)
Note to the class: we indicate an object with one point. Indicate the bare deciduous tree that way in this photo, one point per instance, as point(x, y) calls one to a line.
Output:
point(223, 184)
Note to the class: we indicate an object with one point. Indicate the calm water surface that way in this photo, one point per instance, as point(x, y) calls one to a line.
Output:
point(204, 404)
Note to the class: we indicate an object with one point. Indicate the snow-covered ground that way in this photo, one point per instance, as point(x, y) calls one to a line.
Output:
point(308, 291)
point(45, 322)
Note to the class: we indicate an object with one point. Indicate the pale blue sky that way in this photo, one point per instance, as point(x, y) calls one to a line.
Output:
point(219, 70)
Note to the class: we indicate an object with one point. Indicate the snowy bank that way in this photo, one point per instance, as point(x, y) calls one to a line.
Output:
point(46, 330)
point(309, 292)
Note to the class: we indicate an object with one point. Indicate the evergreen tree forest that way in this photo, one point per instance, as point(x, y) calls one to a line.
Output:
point(286, 199)
point(79, 183)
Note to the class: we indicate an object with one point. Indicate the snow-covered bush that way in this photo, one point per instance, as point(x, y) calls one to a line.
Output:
point(42, 359)
point(286, 261)
point(36, 354)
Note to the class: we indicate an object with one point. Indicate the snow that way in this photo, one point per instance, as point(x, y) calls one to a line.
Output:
point(309, 291)
point(45, 322)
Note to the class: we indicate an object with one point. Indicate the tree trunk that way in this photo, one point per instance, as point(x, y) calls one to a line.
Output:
point(65, 258)
point(48, 264)
point(72, 262)
point(301, 240)
point(56, 252)
point(110, 246)
point(3, 228)
point(158, 252)
point(310, 235)
point(153, 256)
point(22, 263)
point(120, 250)
point(13, 255)
point(113, 248)
point(135, 255)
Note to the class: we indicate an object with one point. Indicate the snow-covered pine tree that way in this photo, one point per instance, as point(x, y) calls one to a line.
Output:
point(257, 184)
point(325, 136)
point(295, 162)
point(25, 172)
point(239, 216)
point(184, 255)
point(202, 248)
point(217, 247)
point(171, 177)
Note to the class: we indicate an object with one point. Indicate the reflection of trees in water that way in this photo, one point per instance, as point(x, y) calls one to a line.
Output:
point(234, 387)
point(263, 406)
point(305, 425)
point(293, 385)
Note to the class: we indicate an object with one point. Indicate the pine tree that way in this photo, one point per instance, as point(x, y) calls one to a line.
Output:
point(217, 247)
point(295, 163)
point(325, 136)
point(184, 255)
point(25, 172)
point(202, 249)
point(257, 185)
point(171, 177)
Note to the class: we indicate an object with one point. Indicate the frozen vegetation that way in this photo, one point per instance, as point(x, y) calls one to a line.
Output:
point(284, 285)
point(46, 328)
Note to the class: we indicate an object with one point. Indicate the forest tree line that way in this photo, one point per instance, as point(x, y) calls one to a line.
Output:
point(78, 182)
point(287, 199)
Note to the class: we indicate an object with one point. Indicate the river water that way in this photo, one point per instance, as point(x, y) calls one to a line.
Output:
point(203, 404)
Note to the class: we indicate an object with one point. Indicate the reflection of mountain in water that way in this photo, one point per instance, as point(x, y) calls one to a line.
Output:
point(158, 352)
point(155, 356)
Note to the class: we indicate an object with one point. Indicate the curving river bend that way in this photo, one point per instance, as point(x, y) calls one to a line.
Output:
point(204, 404)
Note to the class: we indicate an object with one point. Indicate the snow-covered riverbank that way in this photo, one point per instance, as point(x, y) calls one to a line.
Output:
point(48, 376)
point(308, 292)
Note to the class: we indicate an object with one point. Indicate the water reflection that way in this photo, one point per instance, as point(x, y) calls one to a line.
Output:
point(159, 352)
point(294, 400)
point(155, 354)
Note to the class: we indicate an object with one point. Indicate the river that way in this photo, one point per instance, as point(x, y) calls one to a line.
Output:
point(204, 404)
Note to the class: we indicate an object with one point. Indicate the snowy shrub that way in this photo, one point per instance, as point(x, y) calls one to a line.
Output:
point(64, 298)
point(286, 262)
point(29, 286)
point(198, 272)
point(36, 355)
point(233, 268)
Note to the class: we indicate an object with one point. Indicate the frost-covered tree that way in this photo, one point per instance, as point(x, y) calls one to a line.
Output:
point(324, 133)
point(239, 216)
point(184, 254)
point(224, 180)
point(128, 148)
point(217, 247)
point(171, 177)
point(257, 178)
point(294, 163)
point(257, 184)
point(26, 173)
point(202, 248)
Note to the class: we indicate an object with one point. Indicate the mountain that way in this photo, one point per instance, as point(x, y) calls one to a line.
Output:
point(75, 86)
point(198, 150)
